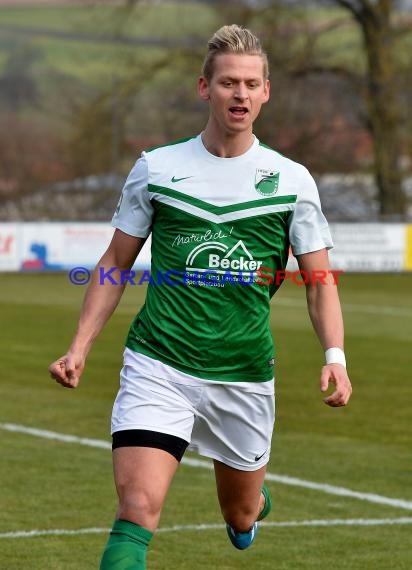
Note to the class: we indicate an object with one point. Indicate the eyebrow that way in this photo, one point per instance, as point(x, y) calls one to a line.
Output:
point(236, 79)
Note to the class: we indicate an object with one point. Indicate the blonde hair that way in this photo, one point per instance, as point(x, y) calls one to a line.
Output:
point(233, 39)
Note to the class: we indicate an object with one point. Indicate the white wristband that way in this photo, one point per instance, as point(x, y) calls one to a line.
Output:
point(335, 355)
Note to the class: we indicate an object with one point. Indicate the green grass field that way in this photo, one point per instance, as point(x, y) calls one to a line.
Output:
point(47, 484)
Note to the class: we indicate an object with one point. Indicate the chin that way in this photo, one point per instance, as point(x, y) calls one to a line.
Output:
point(244, 124)
point(236, 128)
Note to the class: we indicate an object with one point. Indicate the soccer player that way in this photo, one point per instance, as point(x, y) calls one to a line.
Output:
point(222, 209)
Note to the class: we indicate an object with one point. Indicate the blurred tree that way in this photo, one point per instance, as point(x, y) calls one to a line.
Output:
point(376, 20)
point(17, 83)
point(30, 156)
point(150, 99)
point(98, 137)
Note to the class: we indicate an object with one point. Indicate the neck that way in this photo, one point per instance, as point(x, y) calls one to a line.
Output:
point(226, 145)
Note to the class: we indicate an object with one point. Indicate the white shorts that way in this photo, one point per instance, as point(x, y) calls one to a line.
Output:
point(231, 422)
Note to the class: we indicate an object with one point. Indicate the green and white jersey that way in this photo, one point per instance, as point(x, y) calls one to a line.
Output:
point(218, 225)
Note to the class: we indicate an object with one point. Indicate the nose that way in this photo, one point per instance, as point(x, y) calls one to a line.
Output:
point(241, 92)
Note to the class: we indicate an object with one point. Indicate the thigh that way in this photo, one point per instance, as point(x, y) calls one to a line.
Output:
point(142, 477)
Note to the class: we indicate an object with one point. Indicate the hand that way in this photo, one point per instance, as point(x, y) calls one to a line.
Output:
point(67, 370)
point(336, 374)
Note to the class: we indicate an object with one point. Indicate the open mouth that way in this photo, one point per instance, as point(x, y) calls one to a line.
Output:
point(238, 111)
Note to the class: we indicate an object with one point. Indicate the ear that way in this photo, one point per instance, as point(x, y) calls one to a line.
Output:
point(203, 88)
point(266, 91)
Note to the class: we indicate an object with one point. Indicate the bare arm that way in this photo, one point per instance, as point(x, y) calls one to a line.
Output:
point(326, 316)
point(99, 303)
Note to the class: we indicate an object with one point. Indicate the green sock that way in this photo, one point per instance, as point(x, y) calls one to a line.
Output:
point(126, 547)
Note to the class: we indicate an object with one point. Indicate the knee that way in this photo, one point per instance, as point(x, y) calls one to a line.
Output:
point(139, 507)
point(241, 519)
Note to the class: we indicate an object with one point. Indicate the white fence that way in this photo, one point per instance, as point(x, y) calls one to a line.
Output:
point(45, 246)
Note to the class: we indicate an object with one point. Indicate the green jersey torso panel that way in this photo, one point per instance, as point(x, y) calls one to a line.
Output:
point(218, 225)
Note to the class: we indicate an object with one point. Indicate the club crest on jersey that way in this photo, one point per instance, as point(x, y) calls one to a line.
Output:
point(266, 182)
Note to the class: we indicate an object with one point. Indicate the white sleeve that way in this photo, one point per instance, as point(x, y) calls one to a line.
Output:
point(134, 211)
point(308, 228)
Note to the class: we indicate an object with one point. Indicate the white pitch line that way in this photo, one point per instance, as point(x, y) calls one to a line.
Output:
point(215, 526)
point(57, 436)
point(322, 487)
point(200, 464)
point(53, 532)
point(293, 524)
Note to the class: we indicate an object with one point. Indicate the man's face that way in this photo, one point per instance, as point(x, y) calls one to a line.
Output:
point(236, 91)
